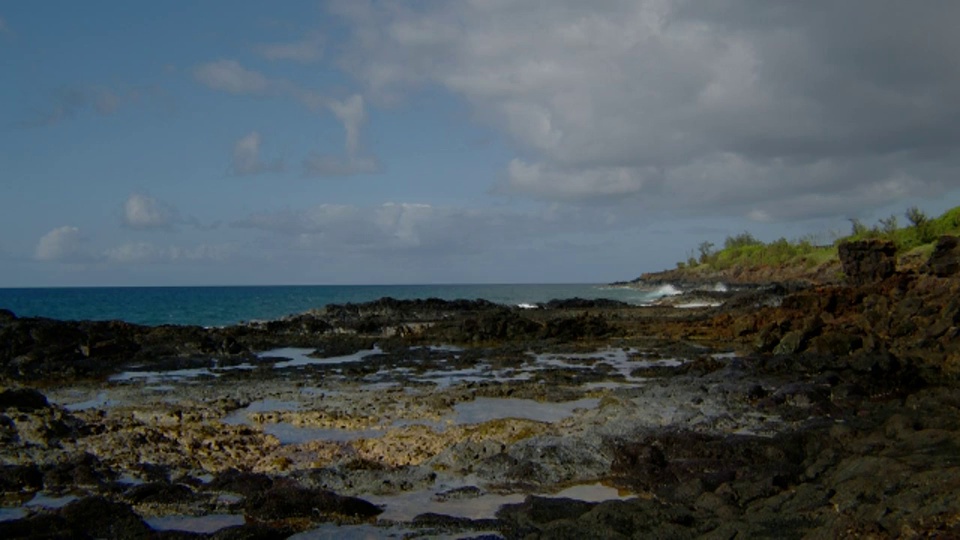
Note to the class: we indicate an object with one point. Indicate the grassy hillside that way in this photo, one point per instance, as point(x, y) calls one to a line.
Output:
point(913, 241)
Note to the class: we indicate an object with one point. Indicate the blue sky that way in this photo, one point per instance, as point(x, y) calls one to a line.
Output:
point(217, 142)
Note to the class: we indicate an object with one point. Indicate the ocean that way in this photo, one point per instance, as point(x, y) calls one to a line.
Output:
point(219, 306)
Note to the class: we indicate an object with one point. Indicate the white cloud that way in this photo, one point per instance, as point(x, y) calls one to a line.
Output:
point(307, 50)
point(684, 106)
point(246, 157)
point(597, 183)
point(145, 212)
point(229, 76)
point(62, 244)
point(352, 114)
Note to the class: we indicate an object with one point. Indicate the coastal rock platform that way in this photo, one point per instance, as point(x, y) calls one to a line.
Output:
point(823, 411)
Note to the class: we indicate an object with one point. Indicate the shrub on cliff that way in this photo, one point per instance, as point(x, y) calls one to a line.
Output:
point(746, 251)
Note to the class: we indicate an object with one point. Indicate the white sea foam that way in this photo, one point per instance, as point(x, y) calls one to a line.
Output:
point(666, 290)
point(525, 305)
point(692, 305)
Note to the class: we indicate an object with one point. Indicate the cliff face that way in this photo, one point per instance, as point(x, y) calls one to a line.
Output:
point(872, 259)
point(826, 273)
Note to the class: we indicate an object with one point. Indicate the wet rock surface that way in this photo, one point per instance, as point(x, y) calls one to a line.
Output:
point(790, 412)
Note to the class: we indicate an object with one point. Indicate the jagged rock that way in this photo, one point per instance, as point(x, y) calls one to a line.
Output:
point(42, 525)
point(24, 399)
point(244, 483)
point(499, 325)
point(15, 478)
point(79, 470)
point(98, 517)
point(537, 510)
point(288, 501)
point(835, 343)
point(945, 259)
point(159, 493)
point(867, 261)
point(790, 343)
point(580, 303)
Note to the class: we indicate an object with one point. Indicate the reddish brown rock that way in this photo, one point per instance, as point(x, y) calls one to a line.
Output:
point(867, 261)
point(945, 259)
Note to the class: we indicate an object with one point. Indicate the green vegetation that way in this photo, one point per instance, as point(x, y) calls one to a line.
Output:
point(922, 230)
point(744, 250)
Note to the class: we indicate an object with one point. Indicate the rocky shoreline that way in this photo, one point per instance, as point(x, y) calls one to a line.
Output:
point(786, 411)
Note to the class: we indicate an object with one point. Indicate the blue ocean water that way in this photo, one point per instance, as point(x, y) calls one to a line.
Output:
point(218, 306)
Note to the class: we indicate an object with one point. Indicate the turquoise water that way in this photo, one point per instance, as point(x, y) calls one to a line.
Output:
point(217, 306)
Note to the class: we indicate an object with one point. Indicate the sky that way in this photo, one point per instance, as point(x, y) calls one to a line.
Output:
point(477, 141)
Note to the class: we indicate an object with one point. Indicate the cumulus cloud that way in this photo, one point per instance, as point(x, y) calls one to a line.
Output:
point(145, 212)
point(247, 160)
point(64, 244)
point(229, 76)
point(352, 114)
point(306, 50)
point(763, 109)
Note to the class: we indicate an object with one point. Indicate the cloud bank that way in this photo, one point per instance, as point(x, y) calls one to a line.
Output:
point(777, 109)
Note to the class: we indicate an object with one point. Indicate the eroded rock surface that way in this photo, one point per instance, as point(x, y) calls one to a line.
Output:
point(826, 411)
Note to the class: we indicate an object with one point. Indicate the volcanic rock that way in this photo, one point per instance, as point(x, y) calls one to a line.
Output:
point(945, 259)
point(867, 261)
